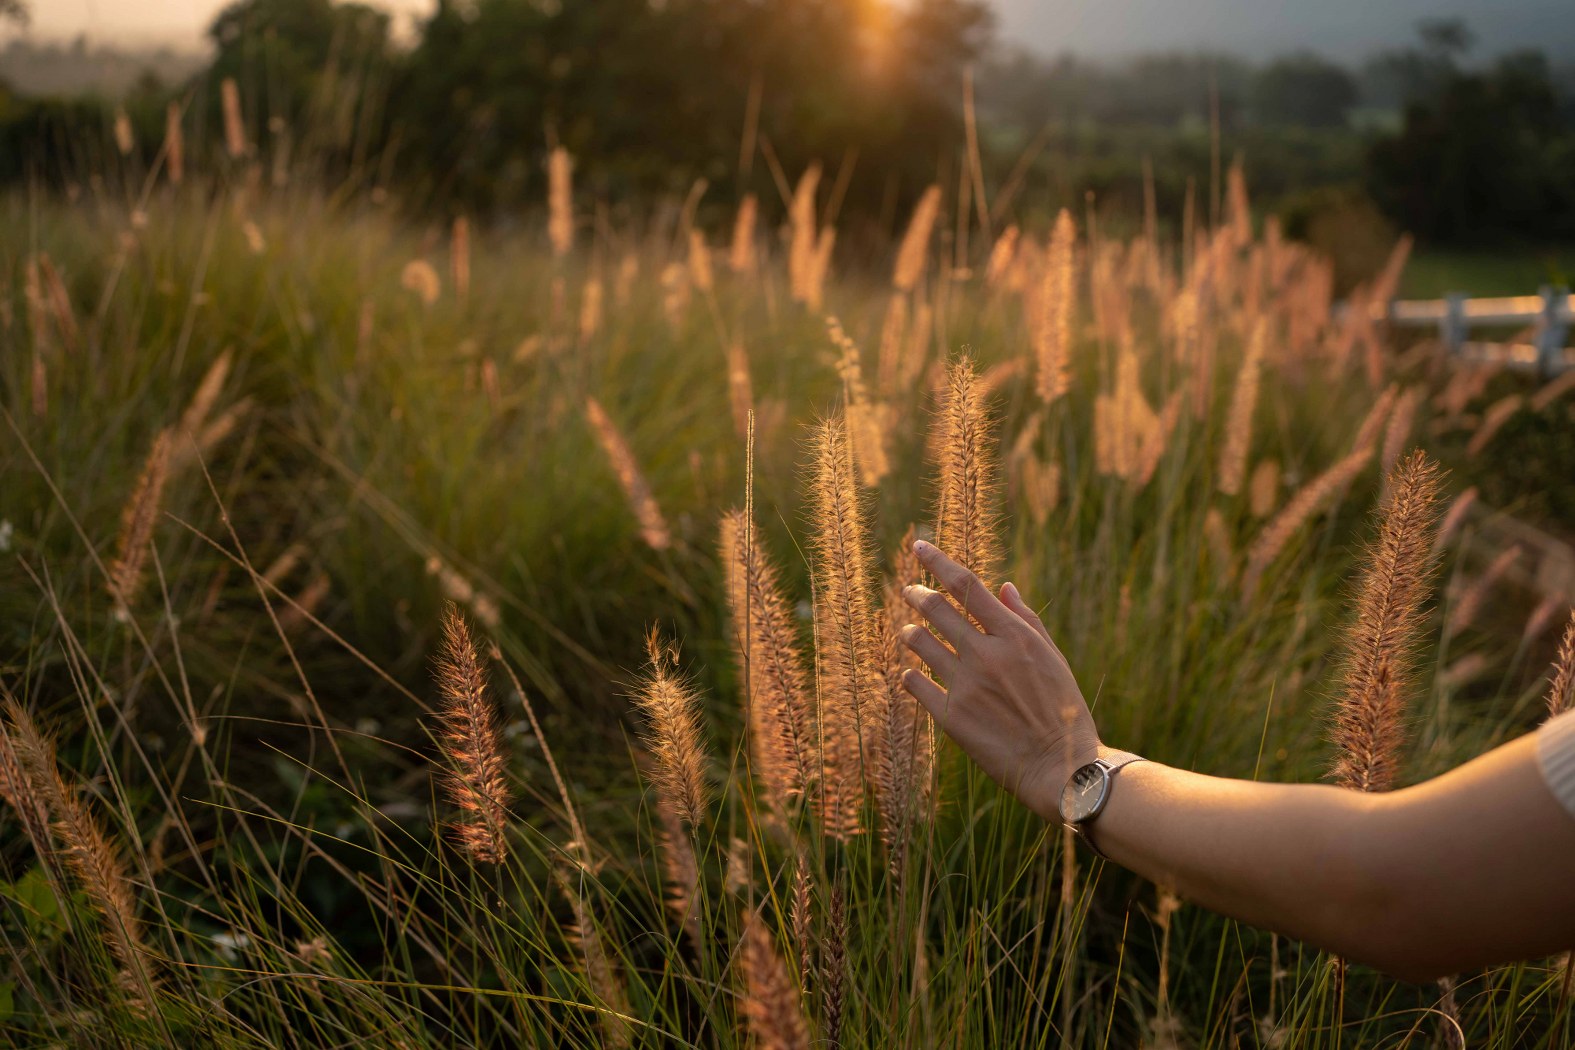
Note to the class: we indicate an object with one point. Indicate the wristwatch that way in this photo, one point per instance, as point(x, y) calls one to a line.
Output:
point(1087, 791)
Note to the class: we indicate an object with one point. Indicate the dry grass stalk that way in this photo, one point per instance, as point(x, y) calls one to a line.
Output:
point(915, 250)
point(740, 390)
point(770, 1002)
point(701, 274)
point(137, 521)
point(38, 386)
point(741, 255)
point(1243, 404)
point(1493, 420)
point(1380, 645)
point(1308, 501)
point(636, 490)
point(1463, 613)
point(680, 870)
point(560, 201)
point(459, 256)
point(892, 330)
point(459, 590)
point(304, 606)
point(47, 295)
point(1552, 391)
point(904, 773)
point(174, 145)
point(966, 519)
point(672, 733)
point(801, 247)
point(1217, 536)
point(477, 781)
point(193, 422)
point(1542, 616)
point(1561, 691)
point(85, 847)
point(738, 868)
point(777, 691)
point(1263, 491)
point(125, 140)
point(865, 422)
point(1056, 312)
point(849, 681)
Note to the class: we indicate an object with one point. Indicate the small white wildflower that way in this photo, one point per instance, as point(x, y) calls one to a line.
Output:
point(231, 944)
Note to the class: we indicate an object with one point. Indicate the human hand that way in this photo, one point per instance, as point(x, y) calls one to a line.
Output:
point(1010, 699)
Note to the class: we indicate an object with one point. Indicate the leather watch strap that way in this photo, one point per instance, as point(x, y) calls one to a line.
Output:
point(1114, 762)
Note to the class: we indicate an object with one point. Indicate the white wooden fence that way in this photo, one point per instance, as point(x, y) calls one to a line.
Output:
point(1548, 315)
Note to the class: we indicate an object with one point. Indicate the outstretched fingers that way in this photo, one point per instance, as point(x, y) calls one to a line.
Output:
point(922, 688)
point(928, 648)
point(968, 590)
point(942, 614)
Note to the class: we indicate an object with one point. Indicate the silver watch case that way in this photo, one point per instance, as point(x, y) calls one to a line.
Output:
point(1087, 791)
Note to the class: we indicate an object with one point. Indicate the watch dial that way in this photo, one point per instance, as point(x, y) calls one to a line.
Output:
point(1083, 793)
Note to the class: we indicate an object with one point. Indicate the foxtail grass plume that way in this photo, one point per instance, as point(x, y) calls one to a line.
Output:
point(672, 733)
point(1552, 391)
point(679, 869)
point(1056, 312)
point(636, 490)
point(845, 632)
point(174, 145)
point(603, 981)
point(864, 416)
point(1493, 420)
point(1263, 492)
point(740, 389)
point(1379, 658)
point(560, 201)
point(741, 254)
point(834, 967)
point(91, 854)
point(137, 521)
point(819, 269)
point(1456, 516)
point(1469, 602)
point(1372, 424)
point(590, 308)
point(1561, 691)
point(1239, 211)
point(771, 1000)
point(1298, 510)
point(701, 274)
point(801, 247)
point(235, 142)
point(915, 250)
point(778, 701)
point(966, 518)
point(420, 277)
point(476, 782)
point(904, 772)
point(1398, 432)
point(1243, 405)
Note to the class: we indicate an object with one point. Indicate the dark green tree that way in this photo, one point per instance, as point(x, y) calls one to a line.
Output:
point(1303, 90)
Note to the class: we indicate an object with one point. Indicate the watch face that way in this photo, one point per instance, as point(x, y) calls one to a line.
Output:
point(1084, 792)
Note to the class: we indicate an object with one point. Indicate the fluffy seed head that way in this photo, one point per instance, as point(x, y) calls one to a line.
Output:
point(965, 514)
point(771, 1002)
point(1561, 692)
point(673, 733)
point(476, 781)
point(1378, 664)
point(137, 520)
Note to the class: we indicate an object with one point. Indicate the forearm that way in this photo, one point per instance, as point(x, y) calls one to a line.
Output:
point(1464, 870)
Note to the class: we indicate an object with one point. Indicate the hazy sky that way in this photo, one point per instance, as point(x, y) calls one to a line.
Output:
point(1345, 28)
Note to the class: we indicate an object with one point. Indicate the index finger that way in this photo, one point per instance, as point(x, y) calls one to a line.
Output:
point(968, 590)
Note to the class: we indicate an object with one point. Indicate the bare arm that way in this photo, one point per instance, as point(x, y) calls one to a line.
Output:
point(1470, 868)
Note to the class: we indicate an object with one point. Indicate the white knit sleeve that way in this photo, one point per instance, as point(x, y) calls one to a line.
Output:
point(1556, 757)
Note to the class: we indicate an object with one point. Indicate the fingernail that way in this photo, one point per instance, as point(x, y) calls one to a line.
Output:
point(1013, 588)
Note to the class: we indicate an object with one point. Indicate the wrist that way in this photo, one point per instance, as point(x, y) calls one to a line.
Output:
point(1042, 793)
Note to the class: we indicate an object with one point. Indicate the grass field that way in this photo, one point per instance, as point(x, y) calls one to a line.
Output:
point(256, 442)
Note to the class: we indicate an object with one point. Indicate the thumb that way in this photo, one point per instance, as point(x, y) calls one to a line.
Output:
point(1014, 601)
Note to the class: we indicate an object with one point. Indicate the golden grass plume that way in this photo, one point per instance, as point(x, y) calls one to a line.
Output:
point(1379, 650)
point(476, 781)
point(915, 249)
point(966, 515)
point(672, 733)
point(845, 638)
point(778, 701)
point(137, 522)
point(771, 1001)
point(1057, 311)
point(1298, 510)
point(636, 490)
point(1561, 691)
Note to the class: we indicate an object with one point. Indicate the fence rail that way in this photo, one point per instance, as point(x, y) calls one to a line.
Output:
point(1550, 314)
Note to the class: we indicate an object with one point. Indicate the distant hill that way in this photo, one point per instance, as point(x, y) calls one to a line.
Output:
point(82, 68)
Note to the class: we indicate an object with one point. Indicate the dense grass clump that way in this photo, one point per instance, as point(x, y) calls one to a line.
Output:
point(323, 533)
